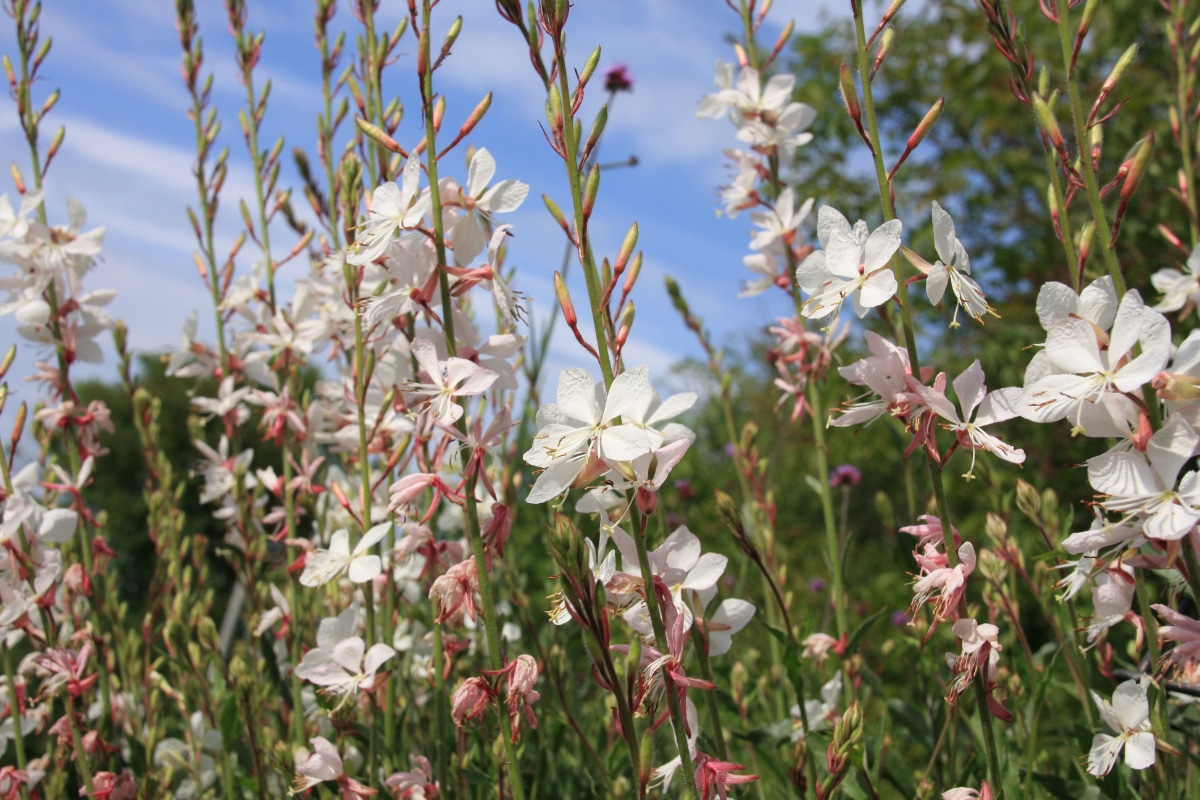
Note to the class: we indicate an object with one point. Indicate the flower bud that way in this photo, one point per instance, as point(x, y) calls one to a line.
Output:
point(597, 130)
point(556, 212)
point(19, 424)
point(591, 189)
point(627, 247)
point(1046, 120)
point(849, 94)
point(17, 179)
point(1176, 386)
point(1028, 501)
point(589, 66)
point(564, 299)
point(634, 270)
point(439, 111)
point(7, 361)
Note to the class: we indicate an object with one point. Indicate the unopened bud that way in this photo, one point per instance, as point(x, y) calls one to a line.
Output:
point(591, 189)
point(554, 111)
point(451, 35)
point(1087, 235)
point(556, 212)
point(50, 101)
point(476, 115)
point(1118, 71)
point(439, 111)
point(1045, 118)
point(922, 129)
point(740, 53)
point(627, 315)
point(7, 361)
point(377, 135)
point(1176, 386)
point(120, 336)
point(849, 93)
point(17, 178)
point(564, 299)
point(19, 423)
point(1029, 502)
point(996, 528)
point(627, 248)
point(597, 130)
point(55, 143)
point(589, 66)
point(885, 47)
point(635, 268)
point(645, 758)
point(1137, 166)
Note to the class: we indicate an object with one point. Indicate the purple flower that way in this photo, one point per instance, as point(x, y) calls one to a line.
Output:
point(900, 619)
point(618, 79)
point(845, 475)
point(816, 585)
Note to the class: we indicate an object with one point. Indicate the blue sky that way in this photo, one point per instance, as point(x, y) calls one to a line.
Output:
point(128, 149)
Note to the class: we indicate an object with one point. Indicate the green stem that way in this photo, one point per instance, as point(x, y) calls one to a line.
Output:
point(660, 643)
point(714, 706)
point(473, 529)
point(18, 735)
point(1193, 568)
point(574, 179)
point(833, 547)
point(1083, 142)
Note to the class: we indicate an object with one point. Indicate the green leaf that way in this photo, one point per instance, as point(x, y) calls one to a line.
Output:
point(861, 631)
point(229, 721)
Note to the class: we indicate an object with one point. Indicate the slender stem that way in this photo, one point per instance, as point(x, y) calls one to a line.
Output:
point(81, 760)
point(473, 529)
point(575, 180)
point(1083, 141)
point(18, 735)
point(660, 643)
point(1184, 80)
point(989, 734)
point(833, 547)
point(714, 706)
point(1193, 567)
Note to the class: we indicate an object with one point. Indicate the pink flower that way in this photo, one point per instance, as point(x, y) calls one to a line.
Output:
point(454, 591)
point(949, 582)
point(618, 79)
point(714, 777)
point(416, 785)
point(471, 700)
point(1182, 630)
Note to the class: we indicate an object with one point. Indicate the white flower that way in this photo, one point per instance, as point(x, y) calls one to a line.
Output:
point(580, 428)
point(820, 713)
point(1142, 485)
point(323, 566)
point(1077, 372)
point(681, 565)
point(346, 668)
point(986, 407)
point(853, 265)
point(322, 765)
point(779, 223)
point(952, 269)
point(449, 379)
point(480, 201)
point(729, 618)
point(1178, 289)
point(1129, 717)
point(392, 208)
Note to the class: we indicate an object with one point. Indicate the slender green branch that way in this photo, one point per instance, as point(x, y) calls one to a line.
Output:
point(1084, 143)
